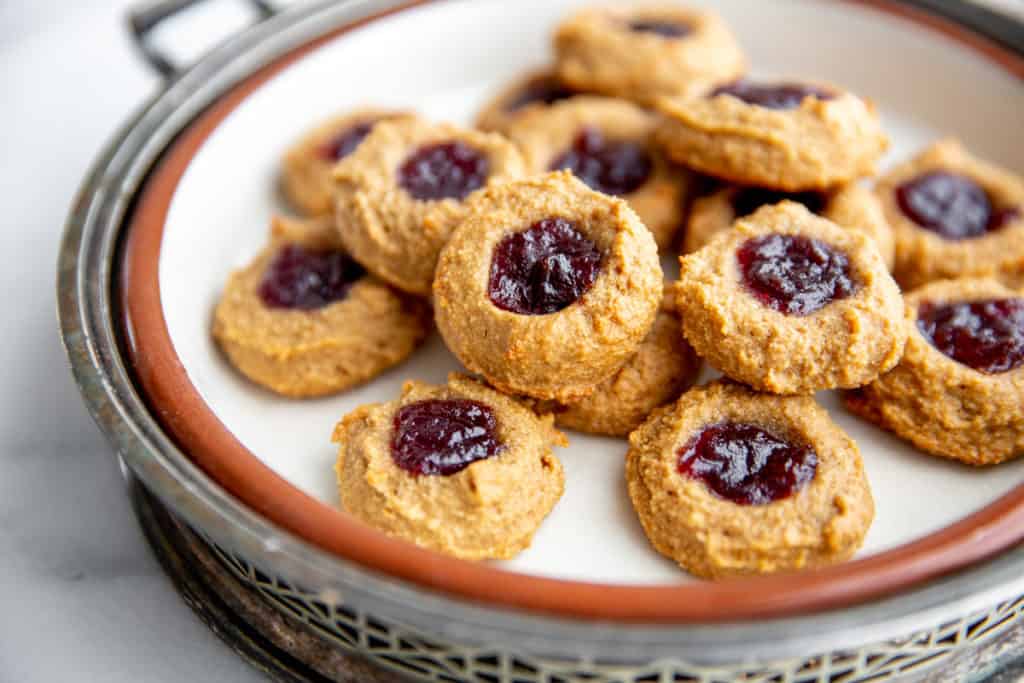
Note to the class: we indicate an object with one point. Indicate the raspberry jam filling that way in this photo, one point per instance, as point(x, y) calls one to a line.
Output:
point(608, 166)
point(985, 335)
point(663, 28)
point(793, 274)
point(746, 464)
point(749, 199)
point(952, 205)
point(345, 142)
point(542, 269)
point(546, 90)
point(449, 170)
point(443, 436)
point(306, 279)
point(778, 96)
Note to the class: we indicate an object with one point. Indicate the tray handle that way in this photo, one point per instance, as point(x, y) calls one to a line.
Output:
point(145, 17)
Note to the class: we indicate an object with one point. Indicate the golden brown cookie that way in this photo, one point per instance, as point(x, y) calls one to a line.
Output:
point(728, 482)
point(460, 469)
point(641, 52)
point(958, 392)
point(303, 319)
point(850, 206)
point(791, 303)
point(789, 137)
point(400, 194)
point(607, 144)
point(953, 215)
point(536, 89)
point(547, 287)
point(662, 368)
point(306, 170)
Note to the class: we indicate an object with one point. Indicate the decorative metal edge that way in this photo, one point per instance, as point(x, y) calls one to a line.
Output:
point(396, 647)
point(85, 270)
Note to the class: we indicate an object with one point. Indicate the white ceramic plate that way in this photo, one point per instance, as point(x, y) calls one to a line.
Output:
point(445, 59)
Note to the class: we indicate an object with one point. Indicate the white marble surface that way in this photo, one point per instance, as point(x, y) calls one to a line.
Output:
point(82, 597)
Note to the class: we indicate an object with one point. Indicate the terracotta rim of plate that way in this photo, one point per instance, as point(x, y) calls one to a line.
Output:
point(179, 407)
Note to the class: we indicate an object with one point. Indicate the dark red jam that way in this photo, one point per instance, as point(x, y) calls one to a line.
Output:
point(305, 279)
point(746, 464)
point(546, 90)
point(608, 166)
point(663, 28)
point(778, 96)
point(793, 274)
point(443, 171)
point(985, 335)
point(543, 269)
point(443, 436)
point(952, 205)
point(345, 142)
point(749, 199)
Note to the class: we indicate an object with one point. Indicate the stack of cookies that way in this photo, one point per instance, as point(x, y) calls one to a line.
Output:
point(534, 242)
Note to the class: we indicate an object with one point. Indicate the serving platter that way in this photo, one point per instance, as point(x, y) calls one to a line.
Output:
point(447, 68)
point(264, 486)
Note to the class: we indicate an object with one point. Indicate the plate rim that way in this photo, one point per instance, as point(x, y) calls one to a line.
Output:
point(208, 442)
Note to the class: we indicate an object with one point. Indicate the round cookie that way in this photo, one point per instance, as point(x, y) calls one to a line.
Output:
point(799, 499)
point(663, 367)
point(547, 287)
point(536, 89)
point(850, 206)
point(303, 319)
point(306, 170)
point(401, 193)
point(791, 303)
point(460, 469)
point(970, 215)
point(789, 137)
point(642, 52)
point(608, 145)
point(936, 399)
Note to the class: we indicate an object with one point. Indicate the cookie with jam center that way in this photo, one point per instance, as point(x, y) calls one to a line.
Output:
point(958, 391)
point(461, 468)
point(533, 90)
point(642, 52)
point(608, 145)
point(728, 482)
point(663, 367)
point(306, 169)
point(953, 215)
point(304, 319)
point(790, 303)
point(783, 136)
point(403, 190)
point(547, 287)
point(851, 206)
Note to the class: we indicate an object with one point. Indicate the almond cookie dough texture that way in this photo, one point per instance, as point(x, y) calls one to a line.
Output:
point(302, 353)
point(564, 355)
point(394, 235)
point(847, 343)
point(850, 206)
point(818, 145)
point(307, 168)
point(489, 510)
point(544, 134)
point(598, 51)
point(940, 405)
point(663, 367)
point(534, 90)
point(923, 255)
point(821, 524)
